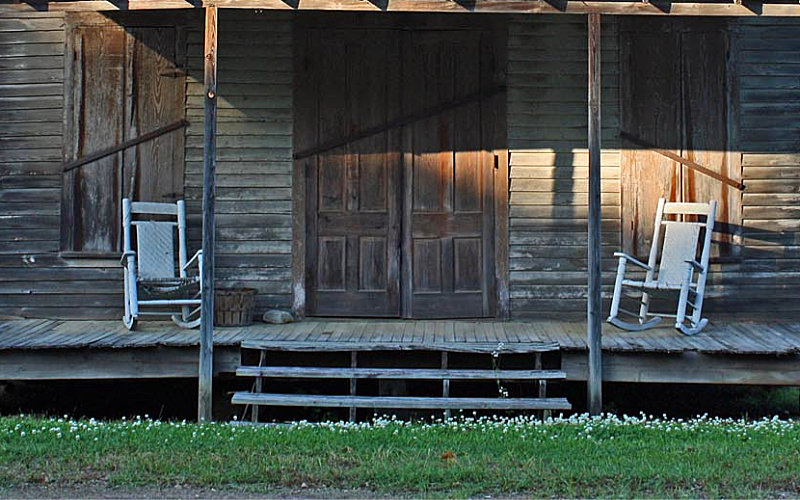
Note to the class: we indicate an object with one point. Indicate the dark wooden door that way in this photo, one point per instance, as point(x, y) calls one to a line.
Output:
point(399, 222)
point(448, 237)
point(353, 195)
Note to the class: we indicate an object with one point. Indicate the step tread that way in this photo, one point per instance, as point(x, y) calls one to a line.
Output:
point(462, 347)
point(433, 403)
point(397, 373)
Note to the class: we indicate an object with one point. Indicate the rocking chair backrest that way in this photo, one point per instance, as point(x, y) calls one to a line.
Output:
point(155, 244)
point(155, 239)
point(680, 242)
point(680, 245)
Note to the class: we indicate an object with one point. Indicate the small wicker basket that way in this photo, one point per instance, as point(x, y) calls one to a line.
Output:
point(234, 306)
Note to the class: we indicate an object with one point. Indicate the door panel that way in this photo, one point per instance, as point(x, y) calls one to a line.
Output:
point(448, 181)
point(353, 200)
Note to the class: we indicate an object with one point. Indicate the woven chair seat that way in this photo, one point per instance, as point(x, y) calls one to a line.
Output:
point(166, 288)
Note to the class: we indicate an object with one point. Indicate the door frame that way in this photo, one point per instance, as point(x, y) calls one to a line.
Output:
point(495, 104)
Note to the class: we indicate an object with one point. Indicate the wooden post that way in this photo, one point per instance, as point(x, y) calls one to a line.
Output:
point(595, 299)
point(445, 385)
point(206, 370)
point(259, 384)
point(353, 384)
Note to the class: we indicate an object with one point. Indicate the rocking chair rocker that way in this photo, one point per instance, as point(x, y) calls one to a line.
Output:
point(676, 271)
point(153, 282)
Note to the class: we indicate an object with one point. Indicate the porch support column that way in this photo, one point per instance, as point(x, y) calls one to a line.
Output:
point(595, 299)
point(206, 370)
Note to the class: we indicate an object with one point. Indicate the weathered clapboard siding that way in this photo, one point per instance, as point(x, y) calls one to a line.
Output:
point(548, 159)
point(547, 123)
point(34, 280)
point(254, 148)
point(254, 168)
point(769, 101)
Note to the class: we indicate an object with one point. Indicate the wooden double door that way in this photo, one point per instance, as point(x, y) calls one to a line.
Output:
point(395, 132)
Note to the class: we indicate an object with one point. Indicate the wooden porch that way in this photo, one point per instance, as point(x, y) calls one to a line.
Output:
point(727, 352)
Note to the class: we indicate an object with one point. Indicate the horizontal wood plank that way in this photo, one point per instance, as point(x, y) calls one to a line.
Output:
point(396, 373)
point(418, 345)
point(265, 399)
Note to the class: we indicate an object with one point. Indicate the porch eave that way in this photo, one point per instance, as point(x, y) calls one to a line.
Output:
point(731, 9)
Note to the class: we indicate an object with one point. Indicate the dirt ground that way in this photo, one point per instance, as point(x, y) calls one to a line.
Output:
point(103, 491)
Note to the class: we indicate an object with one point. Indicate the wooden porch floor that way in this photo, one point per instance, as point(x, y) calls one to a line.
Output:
point(740, 337)
point(727, 352)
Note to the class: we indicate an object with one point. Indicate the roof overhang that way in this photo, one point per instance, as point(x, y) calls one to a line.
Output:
point(651, 8)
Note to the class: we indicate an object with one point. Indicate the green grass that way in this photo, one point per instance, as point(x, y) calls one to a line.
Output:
point(576, 457)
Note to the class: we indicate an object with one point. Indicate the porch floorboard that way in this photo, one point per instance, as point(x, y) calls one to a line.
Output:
point(735, 337)
point(727, 352)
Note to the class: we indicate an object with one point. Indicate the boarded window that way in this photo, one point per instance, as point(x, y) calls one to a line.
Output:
point(675, 90)
point(122, 82)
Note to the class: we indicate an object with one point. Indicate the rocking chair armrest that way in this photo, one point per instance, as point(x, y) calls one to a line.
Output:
point(696, 265)
point(198, 256)
point(126, 257)
point(633, 260)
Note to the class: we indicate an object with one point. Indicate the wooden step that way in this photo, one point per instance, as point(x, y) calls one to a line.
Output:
point(460, 347)
point(428, 403)
point(397, 373)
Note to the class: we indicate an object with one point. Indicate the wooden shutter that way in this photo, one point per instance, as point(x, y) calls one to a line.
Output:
point(706, 134)
point(121, 83)
point(675, 92)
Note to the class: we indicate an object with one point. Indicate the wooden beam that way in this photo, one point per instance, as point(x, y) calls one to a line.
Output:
point(531, 7)
point(344, 346)
point(757, 9)
point(382, 402)
point(205, 372)
point(110, 363)
point(687, 368)
point(181, 362)
point(683, 161)
point(594, 303)
point(97, 155)
point(445, 374)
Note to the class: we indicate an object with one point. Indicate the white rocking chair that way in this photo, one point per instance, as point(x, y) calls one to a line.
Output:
point(154, 284)
point(675, 273)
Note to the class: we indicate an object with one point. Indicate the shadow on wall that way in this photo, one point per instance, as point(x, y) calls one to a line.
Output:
point(684, 85)
point(671, 82)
